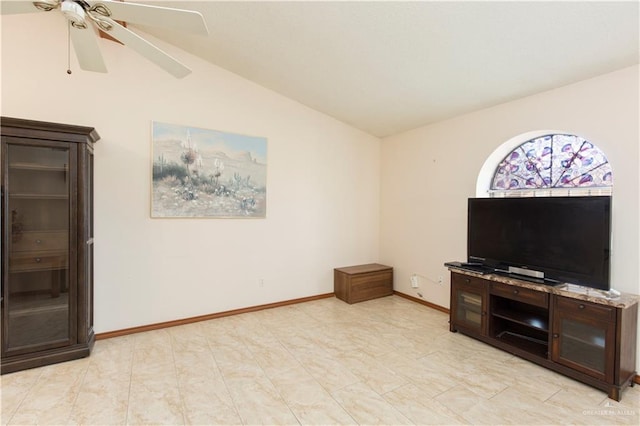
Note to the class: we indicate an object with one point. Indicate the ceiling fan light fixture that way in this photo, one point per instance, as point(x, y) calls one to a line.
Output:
point(101, 9)
point(46, 5)
point(74, 13)
point(102, 23)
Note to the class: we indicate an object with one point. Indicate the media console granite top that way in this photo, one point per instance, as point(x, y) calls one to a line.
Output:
point(624, 300)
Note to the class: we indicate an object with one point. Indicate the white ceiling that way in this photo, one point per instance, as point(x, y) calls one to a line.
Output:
point(387, 67)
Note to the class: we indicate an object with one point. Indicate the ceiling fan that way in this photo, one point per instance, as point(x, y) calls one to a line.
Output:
point(85, 16)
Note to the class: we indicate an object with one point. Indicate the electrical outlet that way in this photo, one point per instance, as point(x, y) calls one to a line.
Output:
point(261, 282)
point(440, 279)
point(414, 281)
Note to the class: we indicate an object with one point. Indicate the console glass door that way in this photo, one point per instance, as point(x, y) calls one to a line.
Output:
point(584, 343)
point(469, 303)
point(470, 308)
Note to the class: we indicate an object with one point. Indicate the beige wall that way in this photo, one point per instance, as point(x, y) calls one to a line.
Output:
point(322, 182)
point(428, 174)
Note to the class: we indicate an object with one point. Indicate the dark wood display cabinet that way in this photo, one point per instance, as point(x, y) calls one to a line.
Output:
point(47, 242)
point(574, 331)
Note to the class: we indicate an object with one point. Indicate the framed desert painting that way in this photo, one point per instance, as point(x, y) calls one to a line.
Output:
point(203, 173)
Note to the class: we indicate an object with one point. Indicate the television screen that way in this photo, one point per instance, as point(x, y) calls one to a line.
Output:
point(565, 238)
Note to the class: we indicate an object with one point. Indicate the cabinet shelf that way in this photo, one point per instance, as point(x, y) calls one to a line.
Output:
point(37, 167)
point(531, 345)
point(27, 232)
point(40, 230)
point(41, 269)
point(469, 299)
point(39, 317)
point(38, 304)
point(31, 196)
point(591, 341)
point(471, 308)
point(523, 318)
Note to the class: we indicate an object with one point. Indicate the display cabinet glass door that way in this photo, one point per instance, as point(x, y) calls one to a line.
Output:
point(38, 295)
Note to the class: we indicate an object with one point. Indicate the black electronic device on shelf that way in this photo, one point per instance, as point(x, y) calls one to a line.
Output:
point(476, 267)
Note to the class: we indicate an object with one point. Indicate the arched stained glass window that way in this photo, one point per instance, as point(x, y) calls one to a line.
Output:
point(553, 161)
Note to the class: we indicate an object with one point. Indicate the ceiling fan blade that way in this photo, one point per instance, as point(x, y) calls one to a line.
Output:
point(155, 16)
point(15, 7)
point(85, 43)
point(146, 49)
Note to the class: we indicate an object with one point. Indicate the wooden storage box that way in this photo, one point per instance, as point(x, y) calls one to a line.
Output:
point(362, 282)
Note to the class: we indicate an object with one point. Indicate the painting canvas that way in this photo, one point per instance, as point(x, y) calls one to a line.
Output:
point(207, 173)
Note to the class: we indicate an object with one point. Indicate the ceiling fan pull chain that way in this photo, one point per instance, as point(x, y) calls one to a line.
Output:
point(69, 47)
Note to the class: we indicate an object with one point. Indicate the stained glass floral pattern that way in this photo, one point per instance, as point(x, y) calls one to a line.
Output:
point(553, 161)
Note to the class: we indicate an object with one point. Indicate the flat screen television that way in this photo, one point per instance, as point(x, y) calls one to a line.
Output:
point(555, 239)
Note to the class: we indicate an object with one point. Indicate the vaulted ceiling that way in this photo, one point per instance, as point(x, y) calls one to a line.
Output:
point(387, 67)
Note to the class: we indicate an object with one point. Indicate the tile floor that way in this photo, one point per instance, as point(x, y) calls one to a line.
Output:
point(385, 361)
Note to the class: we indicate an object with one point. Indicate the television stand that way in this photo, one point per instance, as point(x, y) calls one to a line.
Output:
point(583, 335)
